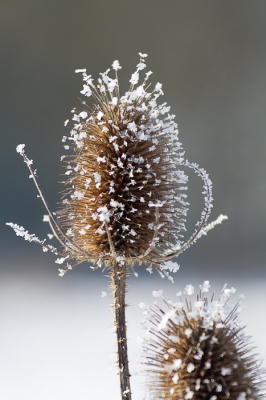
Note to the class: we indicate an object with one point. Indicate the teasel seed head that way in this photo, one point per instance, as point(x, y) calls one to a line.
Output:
point(200, 351)
point(124, 197)
point(124, 181)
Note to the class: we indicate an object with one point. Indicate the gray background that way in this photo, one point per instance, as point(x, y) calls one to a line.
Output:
point(211, 58)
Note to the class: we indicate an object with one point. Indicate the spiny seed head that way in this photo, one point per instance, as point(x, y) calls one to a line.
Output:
point(124, 187)
point(200, 352)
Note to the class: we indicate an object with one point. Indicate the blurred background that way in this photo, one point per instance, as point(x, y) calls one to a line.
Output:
point(210, 55)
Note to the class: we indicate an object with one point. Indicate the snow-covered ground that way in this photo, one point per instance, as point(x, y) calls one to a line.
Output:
point(56, 339)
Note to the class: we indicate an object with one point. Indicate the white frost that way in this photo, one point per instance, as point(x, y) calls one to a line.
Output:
point(205, 287)
point(116, 65)
point(158, 293)
point(226, 371)
point(189, 290)
point(188, 332)
point(20, 148)
point(86, 91)
point(103, 214)
point(170, 266)
point(190, 367)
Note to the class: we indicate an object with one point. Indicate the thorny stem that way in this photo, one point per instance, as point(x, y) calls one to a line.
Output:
point(118, 285)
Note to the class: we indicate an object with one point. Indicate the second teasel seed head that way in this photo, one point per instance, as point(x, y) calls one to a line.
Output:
point(200, 351)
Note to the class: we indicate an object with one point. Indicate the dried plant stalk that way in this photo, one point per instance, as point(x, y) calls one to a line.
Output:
point(118, 286)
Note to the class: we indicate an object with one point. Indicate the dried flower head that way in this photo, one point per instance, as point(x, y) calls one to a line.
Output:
point(124, 199)
point(124, 189)
point(200, 352)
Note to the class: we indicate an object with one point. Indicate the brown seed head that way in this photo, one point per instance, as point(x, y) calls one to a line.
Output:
point(124, 190)
point(201, 353)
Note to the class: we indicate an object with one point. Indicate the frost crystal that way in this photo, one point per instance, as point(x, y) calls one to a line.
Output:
point(116, 66)
point(190, 367)
point(189, 289)
point(170, 266)
point(226, 371)
point(205, 287)
point(157, 294)
point(20, 148)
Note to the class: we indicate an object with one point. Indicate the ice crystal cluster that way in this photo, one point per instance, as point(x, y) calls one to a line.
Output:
point(124, 198)
point(199, 351)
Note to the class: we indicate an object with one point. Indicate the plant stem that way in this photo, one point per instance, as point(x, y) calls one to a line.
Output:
point(118, 285)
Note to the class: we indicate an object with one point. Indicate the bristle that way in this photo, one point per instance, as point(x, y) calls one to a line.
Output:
point(201, 353)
